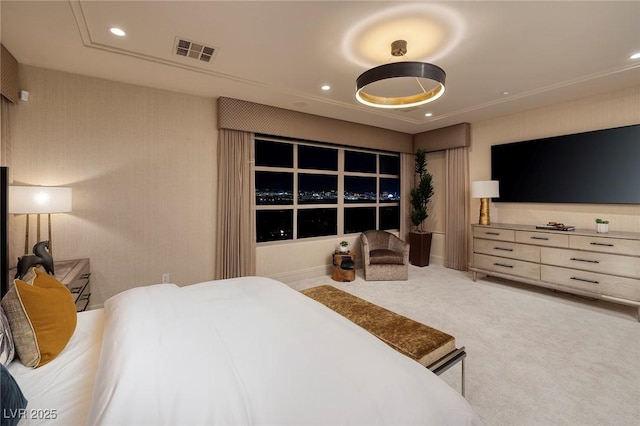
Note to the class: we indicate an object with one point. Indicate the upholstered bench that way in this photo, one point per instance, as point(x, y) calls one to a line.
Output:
point(432, 348)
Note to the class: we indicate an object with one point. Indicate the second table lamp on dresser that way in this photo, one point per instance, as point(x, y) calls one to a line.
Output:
point(485, 189)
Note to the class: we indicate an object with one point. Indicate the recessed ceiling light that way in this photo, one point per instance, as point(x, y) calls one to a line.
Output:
point(429, 114)
point(635, 56)
point(506, 92)
point(326, 87)
point(117, 31)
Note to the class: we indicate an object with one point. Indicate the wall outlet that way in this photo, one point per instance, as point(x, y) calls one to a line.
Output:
point(165, 278)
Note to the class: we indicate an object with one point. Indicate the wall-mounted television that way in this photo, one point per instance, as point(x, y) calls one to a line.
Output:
point(597, 167)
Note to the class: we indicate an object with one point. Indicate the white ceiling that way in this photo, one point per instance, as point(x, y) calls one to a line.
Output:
point(280, 53)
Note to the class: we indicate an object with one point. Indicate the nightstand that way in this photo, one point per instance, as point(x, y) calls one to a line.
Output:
point(75, 274)
point(346, 273)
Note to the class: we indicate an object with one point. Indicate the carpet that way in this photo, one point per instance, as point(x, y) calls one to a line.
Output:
point(535, 356)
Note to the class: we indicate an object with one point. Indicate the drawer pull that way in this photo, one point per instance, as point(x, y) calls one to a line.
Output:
point(585, 280)
point(585, 260)
point(76, 289)
point(602, 244)
point(503, 265)
point(502, 248)
point(84, 276)
point(492, 233)
point(540, 238)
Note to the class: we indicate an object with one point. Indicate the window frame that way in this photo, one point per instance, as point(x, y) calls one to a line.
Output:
point(340, 173)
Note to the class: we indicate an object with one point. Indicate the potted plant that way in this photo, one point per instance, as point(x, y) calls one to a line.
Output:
point(343, 247)
point(602, 226)
point(419, 239)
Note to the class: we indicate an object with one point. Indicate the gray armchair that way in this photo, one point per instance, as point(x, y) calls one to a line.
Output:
point(385, 257)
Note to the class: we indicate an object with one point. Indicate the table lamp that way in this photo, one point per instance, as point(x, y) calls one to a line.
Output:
point(485, 189)
point(39, 200)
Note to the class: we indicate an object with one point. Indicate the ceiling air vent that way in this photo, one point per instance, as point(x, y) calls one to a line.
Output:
point(192, 49)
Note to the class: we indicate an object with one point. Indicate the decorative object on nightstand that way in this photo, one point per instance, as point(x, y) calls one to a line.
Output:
point(602, 226)
point(485, 189)
point(40, 256)
point(343, 247)
point(419, 239)
point(39, 200)
point(344, 266)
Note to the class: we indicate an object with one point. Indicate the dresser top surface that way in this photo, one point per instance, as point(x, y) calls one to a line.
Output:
point(583, 232)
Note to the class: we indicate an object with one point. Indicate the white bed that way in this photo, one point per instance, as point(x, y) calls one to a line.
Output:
point(232, 352)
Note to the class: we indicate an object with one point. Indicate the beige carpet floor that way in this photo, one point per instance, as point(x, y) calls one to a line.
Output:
point(535, 357)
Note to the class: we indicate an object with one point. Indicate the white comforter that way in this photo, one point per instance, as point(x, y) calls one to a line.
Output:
point(253, 351)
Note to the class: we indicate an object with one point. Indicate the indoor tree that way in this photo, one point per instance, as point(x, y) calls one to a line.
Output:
point(422, 192)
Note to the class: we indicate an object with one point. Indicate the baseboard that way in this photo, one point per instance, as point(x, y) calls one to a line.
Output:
point(302, 274)
point(318, 271)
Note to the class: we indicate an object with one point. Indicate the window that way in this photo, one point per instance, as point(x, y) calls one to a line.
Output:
point(306, 190)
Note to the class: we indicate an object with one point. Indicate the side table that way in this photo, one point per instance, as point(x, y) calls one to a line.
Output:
point(344, 272)
point(75, 275)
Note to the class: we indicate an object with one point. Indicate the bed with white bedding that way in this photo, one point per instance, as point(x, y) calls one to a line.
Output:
point(232, 352)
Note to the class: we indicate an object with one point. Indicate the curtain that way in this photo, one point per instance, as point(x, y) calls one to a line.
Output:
point(457, 209)
point(5, 108)
point(235, 227)
point(407, 167)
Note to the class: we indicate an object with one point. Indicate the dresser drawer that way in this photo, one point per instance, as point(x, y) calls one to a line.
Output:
point(625, 266)
point(605, 245)
point(507, 266)
point(507, 249)
point(494, 234)
point(542, 238)
point(626, 288)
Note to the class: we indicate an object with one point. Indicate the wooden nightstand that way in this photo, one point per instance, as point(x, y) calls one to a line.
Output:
point(343, 275)
point(75, 274)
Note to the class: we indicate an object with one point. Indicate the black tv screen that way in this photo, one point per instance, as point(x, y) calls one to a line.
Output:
point(598, 167)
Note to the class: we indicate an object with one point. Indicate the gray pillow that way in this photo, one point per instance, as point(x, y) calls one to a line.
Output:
point(7, 348)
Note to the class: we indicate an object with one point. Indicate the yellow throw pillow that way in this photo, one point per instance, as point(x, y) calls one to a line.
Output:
point(42, 318)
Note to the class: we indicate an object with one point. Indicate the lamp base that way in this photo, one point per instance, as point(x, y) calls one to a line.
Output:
point(484, 212)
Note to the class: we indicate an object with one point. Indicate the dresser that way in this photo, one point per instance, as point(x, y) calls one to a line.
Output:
point(76, 276)
point(602, 266)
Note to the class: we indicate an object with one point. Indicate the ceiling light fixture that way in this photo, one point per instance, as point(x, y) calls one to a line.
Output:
point(635, 56)
point(117, 31)
point(326, 87)
point(394, 70)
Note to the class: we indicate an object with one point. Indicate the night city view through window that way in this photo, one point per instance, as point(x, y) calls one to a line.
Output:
point(314, 169)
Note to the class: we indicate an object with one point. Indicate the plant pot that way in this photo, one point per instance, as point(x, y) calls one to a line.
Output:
point(602, 228)
point(420, 248)
point(342, 249)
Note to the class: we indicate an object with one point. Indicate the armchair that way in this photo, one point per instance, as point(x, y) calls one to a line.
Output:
point(385, 256)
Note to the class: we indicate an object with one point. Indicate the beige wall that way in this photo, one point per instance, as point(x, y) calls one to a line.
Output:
point(590, 113)
point(142, 165)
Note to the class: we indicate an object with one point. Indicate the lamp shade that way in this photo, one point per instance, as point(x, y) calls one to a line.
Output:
point(39, 199)
point(485, 189)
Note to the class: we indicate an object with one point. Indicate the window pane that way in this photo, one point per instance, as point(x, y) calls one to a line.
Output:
point(390, 165)
point(317, 189)
point(355, 161)
point(359, 219)
point(313, 157)
point(274, 188)
point(359, 189)
point(389, 190)
point(317, 222)
point(390, 217)
point(273, 225)
point(274, 154)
